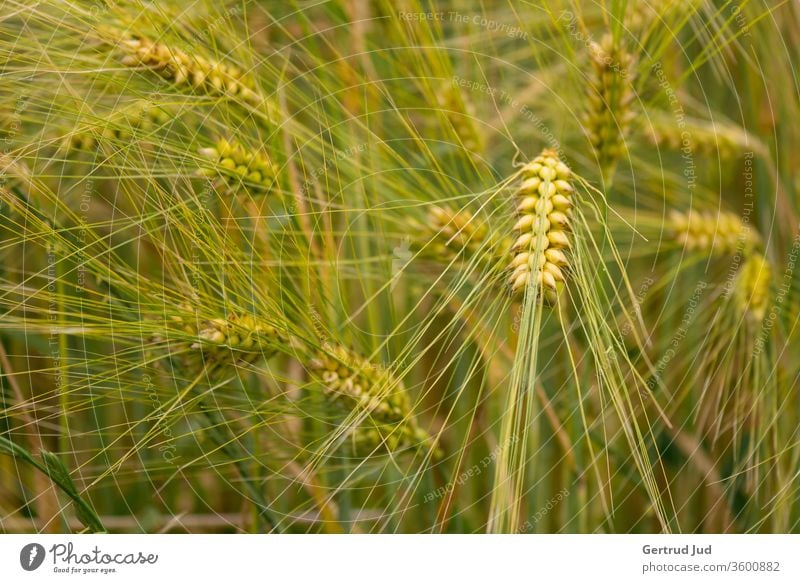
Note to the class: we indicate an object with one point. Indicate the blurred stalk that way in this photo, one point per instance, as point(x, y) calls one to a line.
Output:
point(45, 502)
point(63, 352)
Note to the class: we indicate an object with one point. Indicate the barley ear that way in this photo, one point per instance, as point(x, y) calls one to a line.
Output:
point(240, 167)
point(610, 95)
point(544, 207)
point(753, 287)
point(713, 234)
point(353, 381)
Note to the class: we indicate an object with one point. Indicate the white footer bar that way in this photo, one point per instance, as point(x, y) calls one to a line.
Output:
point(401, 558)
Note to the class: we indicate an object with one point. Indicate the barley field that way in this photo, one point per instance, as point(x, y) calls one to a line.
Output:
point(399, 267)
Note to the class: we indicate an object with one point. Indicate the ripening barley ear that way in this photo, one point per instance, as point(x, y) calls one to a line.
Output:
point(141, 117)
point(366, 388)
point(558, 259)
point(201, 74)
point(544, 207)
point(639, 16)
point(743, 401)
point(643, 15)
point(610, 96)
point(752, 290)
point(240, 167)
point(710, 233)
point(722, 138)
point(461, 114)
point(216, 342)
point(448, 235)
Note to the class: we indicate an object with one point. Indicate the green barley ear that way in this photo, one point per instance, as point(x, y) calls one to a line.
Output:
point(82, 141)
point(639, 15)
point(238, 332)
point(461, 114)
point(610, 95)
point(52, 466)
point(141, 116)
point(562, 224)
point(722, 138)
point(752, 290)
point(238, 337)
point(721, 233)
point(353, 381)
point(544, 207)
point(448, 235)
point(239, 166)
point(742, 403)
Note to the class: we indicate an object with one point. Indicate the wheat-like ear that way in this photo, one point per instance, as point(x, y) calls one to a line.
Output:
point(237, 337)
point(722, 233)
point(461, 113)
point(753, 284)
point(197, 72)
point(449, 235)
point(545, 224)
point(370, 388)
point(544, 207)
point(726, 139)
point(239, 166)
point(610, 97)
point(639, 16)
point(141, 116)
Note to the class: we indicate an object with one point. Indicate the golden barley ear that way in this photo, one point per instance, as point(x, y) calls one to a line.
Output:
point(544, 207)
point(195, 72)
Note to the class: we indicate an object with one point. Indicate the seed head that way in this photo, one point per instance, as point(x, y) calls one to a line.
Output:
point(724, 139)
point(121, 128)
point(461, 114)
point(448, 235)
point(610, 96)
point(349, 377)
point(712, 233)
point(753, 287)
point(544, 207)
point(239, 166)
point(244, 336)
point(201, 74)
point(243, 333)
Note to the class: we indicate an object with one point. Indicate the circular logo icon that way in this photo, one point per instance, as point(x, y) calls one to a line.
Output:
point(31, 556)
